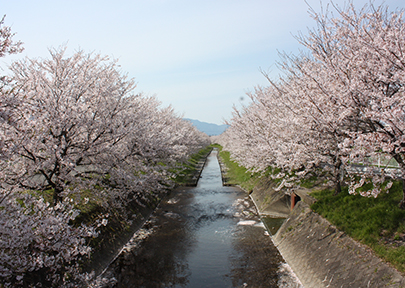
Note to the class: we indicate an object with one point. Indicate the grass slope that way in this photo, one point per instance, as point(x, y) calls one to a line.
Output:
point(184, 172)
point(236, 174)
point(375, 222)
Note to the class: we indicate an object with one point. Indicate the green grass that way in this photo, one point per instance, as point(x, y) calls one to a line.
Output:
point(236, 174)
point(239, 175)
point(376, 222)
point(184, 171)
point(311, 181)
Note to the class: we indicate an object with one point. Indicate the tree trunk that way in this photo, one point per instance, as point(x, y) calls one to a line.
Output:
point(56, 195)
point(338, 175)
point(402, 202)
point(338, 187)
point(401, 164)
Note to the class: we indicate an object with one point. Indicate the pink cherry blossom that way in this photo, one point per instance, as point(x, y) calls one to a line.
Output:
point(339, 102)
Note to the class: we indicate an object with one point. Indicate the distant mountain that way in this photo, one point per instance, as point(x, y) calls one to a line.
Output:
point(208, 128)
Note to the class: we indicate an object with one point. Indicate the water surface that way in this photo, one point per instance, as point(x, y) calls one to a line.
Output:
point(207, 236)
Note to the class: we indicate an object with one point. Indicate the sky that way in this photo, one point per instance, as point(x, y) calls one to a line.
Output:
point(199, 56)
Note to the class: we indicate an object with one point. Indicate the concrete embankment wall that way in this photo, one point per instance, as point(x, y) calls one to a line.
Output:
point(269, 201)
point(320, 254)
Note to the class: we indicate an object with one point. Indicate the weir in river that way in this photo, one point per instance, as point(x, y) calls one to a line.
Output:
point(205, 236)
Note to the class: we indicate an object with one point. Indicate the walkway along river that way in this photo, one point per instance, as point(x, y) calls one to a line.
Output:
point(206, 236)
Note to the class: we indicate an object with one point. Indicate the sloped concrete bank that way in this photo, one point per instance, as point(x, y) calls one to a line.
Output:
point(319, 253)
point(270, 202)
point(323, 256)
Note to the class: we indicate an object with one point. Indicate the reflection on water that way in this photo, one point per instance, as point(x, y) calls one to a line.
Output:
point(272, 224)
point(207, 236)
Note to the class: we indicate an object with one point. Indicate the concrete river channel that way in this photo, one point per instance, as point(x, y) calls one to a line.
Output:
point(204, 236)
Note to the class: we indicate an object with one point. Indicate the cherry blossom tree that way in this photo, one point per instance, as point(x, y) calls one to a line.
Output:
point(157, 141)
point(345, 95)
point(280, 133)
point(7, 117)
point(7, 45)
point(309, 92)
point(73, 124)
point(68, 118)
point(362, 53)
point(251, 136)
point(37, 244)
point(79, 120)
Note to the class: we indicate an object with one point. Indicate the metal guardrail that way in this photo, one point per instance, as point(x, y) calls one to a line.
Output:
point(367, 169)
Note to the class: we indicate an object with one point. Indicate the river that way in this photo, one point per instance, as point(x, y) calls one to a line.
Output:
point(205, 236)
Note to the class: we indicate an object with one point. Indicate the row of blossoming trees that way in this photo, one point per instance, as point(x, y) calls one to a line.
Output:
point(340, 103)
point(70, 125)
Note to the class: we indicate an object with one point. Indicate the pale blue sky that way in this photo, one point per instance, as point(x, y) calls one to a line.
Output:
point(199, 56)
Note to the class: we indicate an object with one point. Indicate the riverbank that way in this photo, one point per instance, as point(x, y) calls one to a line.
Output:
point(204, 236)
point(320, 254)
point(117, 235)
point(323, 256)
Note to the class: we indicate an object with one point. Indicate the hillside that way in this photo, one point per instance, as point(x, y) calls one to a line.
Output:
point(208, 128)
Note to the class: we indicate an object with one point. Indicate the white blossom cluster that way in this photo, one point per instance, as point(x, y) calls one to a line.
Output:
point(38, 237)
